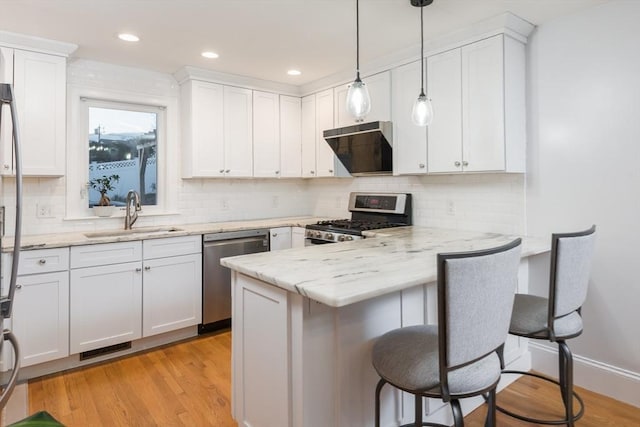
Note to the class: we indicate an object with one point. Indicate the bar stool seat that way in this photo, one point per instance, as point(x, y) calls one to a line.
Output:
point(408, 358)
point(529, 319)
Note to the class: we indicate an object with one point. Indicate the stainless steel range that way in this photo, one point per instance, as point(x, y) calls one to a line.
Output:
point(369, 211)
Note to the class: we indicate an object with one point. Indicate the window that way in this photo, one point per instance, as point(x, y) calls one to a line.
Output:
point(123, 144)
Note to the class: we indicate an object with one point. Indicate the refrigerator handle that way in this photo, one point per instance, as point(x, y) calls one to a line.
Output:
point(6, 96)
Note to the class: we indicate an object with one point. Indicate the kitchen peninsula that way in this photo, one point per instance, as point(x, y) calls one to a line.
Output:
point(305, 321)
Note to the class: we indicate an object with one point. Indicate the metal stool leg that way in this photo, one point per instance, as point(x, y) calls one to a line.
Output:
point(491, 409)
point(378, 389)
point(565, 382)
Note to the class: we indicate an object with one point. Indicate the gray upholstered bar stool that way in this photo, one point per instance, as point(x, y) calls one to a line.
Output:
point(558, 318)
point(457, 358)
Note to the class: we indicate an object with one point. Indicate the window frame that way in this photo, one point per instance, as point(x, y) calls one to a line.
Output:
point(79, 102)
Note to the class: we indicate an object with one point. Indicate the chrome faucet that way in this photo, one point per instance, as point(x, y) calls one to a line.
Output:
point(133, 198)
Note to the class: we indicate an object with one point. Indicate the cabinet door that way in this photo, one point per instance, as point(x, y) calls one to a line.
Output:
point(280, 238)
point(308, 133)
point(172, 294)
point(290, 137)
point(202, 129)
point(483, 105)
point(379, 87)
point(409, 140)
point(105, 306)
point(238, 132)
point(266, 135)
point(297, 237)
point(40, 92)
point(325, 159)
point(41, 317)
point(444, 148)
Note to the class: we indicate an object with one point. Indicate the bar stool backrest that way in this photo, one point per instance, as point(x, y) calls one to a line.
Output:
point(571, 255)
point(475, 300)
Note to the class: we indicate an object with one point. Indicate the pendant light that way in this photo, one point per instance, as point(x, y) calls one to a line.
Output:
point(422, 113)
point(358, 100)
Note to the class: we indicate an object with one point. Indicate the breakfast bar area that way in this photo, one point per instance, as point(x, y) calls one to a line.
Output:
point(305, 321)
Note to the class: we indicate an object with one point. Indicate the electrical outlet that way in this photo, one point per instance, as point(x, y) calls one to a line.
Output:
point(275, 202)
point(224, 204)
point(451, 208)
point(43, 211)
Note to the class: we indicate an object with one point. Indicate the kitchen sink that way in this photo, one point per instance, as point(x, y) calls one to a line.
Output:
point(142, 230)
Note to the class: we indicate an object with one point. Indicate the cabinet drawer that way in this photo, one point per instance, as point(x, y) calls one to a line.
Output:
point(105, 254)
point(172, 246)
point(40, 261)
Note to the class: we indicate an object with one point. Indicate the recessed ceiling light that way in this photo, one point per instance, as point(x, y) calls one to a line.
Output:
point(210, 55)
point(128, 37)
point(294, 72)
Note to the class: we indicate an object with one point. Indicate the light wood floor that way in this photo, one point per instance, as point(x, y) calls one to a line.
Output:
point(188, 384)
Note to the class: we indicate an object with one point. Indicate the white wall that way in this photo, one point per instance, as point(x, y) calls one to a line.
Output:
point(583, 155)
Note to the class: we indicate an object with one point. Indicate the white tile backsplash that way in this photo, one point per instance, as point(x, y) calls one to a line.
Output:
point(482, 202)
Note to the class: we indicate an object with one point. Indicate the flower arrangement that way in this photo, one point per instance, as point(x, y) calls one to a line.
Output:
point(104, 184)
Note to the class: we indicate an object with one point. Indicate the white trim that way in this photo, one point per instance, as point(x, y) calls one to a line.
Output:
point(618, 383)
point(36, 44)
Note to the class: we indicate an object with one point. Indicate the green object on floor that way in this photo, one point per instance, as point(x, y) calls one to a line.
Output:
point(39, 419)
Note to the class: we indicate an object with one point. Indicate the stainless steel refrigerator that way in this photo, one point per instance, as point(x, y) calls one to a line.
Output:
point(9, 117)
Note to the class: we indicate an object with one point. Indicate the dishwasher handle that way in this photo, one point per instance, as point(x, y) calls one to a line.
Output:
point(232, 235)
point(265, 241)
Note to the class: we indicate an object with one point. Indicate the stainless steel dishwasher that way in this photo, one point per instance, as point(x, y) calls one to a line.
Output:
point(216, 279)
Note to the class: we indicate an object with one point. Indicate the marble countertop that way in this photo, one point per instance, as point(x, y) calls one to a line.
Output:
point(59, 240)
point(349, 272)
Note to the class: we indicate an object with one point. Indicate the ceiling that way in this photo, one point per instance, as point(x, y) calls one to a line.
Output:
point(256, 38)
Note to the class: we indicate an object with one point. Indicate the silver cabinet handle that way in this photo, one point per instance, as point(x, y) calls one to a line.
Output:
point(421, 165)
point(274, 235)
point(18, 286)
point(227, 171)
point(330, 170)
point(42, 261)
point(312, 172)
point(465, 163)
point(221, 170)
point(457, 163)
point(147, 268)
point(6, 167)
point(138, 269)
point(277, 172)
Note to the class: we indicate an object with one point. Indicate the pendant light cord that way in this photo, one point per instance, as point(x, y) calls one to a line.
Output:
point(357, 40)
point(422, 51)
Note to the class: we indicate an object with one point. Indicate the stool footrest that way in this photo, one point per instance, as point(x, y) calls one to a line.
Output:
point(562, 421)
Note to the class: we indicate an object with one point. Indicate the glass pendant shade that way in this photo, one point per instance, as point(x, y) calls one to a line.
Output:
point(358, 100)
point(422, 114)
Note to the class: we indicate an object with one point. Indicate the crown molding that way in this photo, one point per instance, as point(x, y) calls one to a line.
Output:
point(36, 44)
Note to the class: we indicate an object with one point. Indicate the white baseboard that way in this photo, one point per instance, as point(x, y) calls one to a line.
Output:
point(620, 384)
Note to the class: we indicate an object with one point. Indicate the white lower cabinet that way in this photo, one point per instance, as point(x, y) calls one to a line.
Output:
point(40, 314)
point(105, 305)
point(40, 317)
point(279, 238)
point(297, 237)
point(172, 284)
point(158, 290)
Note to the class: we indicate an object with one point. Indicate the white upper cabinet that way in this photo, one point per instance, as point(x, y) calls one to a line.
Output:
point(202, 129)
point(409, 140)
point(379, 86)
point(478, 94)
point(217, 131)
point(325, 159)
point(39, 82)
point(266, 135)
point(238, 132)
point(308, 136)
point(445, 132)
point(290, 137)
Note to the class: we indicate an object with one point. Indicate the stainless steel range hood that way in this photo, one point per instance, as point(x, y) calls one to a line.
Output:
point(363, 149)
